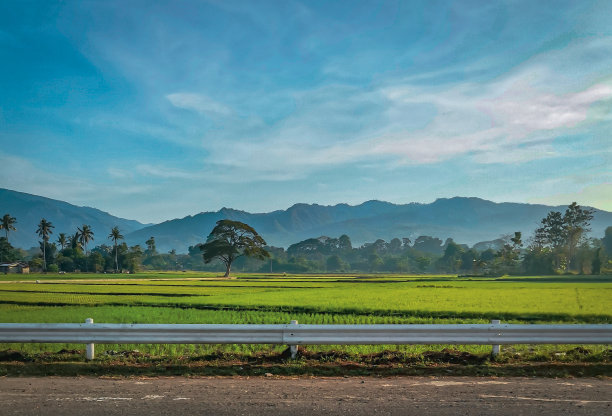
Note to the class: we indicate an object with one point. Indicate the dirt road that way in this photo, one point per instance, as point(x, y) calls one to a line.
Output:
point(304, 396)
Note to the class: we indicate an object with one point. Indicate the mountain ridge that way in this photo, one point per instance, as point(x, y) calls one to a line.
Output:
point(467, 220)
point(29, 209)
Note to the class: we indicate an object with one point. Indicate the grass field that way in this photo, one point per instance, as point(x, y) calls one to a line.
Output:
point(328, 299)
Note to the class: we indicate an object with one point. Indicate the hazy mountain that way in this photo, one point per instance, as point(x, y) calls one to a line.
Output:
point(29, 209)
point(466, 220)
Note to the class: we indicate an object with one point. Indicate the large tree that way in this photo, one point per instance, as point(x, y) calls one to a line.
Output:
point(577, 221)
point(306, 247)
point(7, 224)
point(552, 231)
point(115, 235)
point(230, 240)
point(562, 233)
point(43, 230)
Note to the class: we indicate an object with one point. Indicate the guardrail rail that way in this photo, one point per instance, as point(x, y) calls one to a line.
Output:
point(294, 334)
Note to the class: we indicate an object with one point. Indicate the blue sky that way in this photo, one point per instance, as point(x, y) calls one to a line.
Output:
point(153, 110)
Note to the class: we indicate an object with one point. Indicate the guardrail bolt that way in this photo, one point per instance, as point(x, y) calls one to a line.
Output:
point(90, 347)
point(496, 348)
point(293, 348)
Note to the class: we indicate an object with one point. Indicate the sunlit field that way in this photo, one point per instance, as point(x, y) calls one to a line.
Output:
point(328, 299)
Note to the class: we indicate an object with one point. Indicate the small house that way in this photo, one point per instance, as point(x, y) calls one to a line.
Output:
point(17, 267)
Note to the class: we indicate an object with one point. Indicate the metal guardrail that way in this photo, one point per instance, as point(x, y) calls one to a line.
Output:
point(293, 334)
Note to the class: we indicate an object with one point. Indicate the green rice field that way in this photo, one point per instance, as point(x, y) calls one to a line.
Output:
point(328, 299)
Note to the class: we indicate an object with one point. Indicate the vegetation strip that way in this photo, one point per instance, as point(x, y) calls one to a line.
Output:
point(386, 363)
point(178, 295)
point(182, 286)
point(594, 319)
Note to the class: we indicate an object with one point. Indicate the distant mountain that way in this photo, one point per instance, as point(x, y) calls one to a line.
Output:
point(466, 220)
point(29, 209)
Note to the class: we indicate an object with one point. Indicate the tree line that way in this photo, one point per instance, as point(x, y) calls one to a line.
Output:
point(559, 245)
point(70, 252)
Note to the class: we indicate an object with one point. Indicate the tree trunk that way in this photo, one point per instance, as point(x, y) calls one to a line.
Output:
point(227, 270)
point(116, 262)
point(44, 257)
point(571, 252)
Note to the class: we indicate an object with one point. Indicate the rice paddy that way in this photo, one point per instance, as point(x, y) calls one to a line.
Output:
point(266, 299)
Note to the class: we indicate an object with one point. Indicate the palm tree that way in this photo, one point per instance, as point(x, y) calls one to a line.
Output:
point(62, 240)
point(44, 229)
point(85, 236)
point(115, 235)
point(7, 224)
point(74, 241)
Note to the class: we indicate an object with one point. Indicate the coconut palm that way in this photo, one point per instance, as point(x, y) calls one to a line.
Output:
point(7, 224)
point(115, 235)
point(44, 229)
point(74, 241)
point(85, 236)
point(62, 240)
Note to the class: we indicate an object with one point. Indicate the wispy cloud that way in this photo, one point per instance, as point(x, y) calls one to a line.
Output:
point(187, 99)
point(507, 120)
point(449, 107)
point(510, 117)
point(164, 172)
point(199, 103)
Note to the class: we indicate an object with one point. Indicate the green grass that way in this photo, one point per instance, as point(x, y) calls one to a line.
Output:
point(512, 299)
point(311, 299)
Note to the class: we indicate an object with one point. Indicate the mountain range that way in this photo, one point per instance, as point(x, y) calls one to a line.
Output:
point(29, 209)
point(466, 220)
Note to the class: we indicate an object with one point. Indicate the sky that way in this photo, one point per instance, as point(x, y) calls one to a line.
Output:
point(153, 110)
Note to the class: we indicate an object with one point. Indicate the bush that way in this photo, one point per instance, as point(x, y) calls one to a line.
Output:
point(36, 264)
point(66, 264)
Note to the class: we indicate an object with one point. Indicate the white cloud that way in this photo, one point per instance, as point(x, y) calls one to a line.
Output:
point(505, 121)
point(524, 110)
point(510, 119)
point(506, 116)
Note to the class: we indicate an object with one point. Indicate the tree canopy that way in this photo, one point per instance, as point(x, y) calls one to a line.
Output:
point(230, 240)
point(562, 233)
point(7, 224)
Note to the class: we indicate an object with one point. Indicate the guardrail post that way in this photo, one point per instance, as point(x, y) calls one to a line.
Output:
point(496, 348)
point(90, 347)
point(293, 348)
